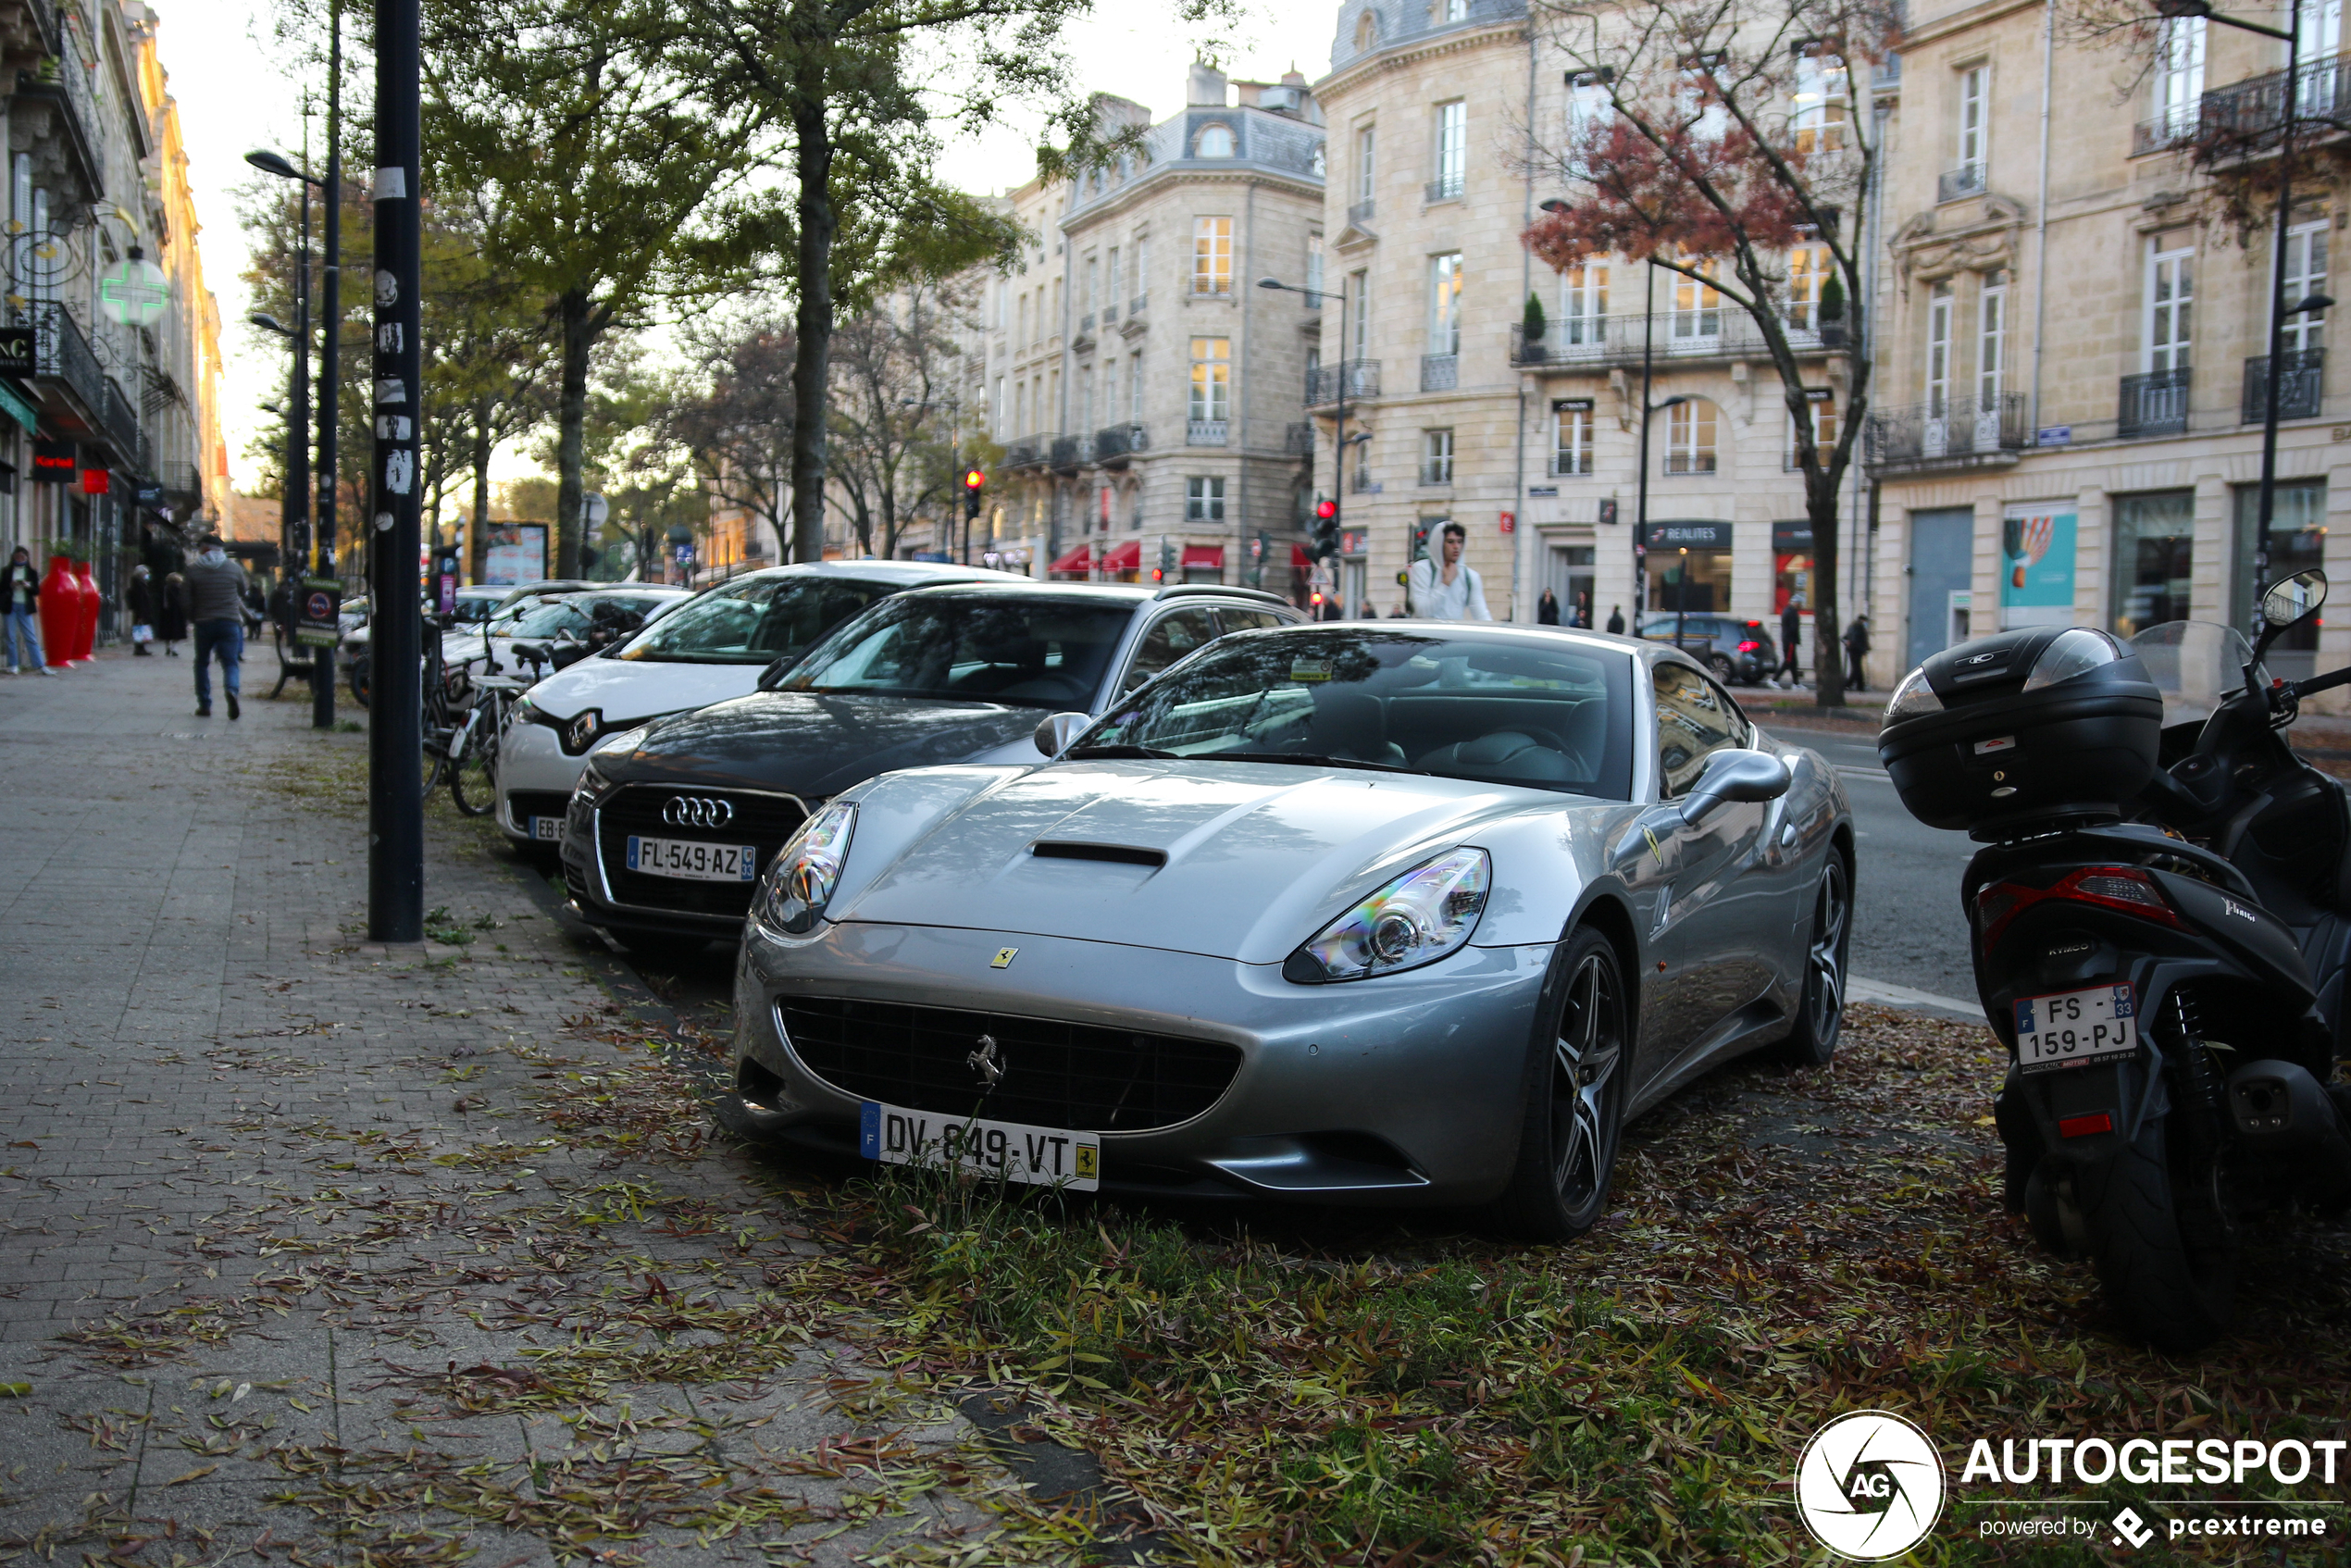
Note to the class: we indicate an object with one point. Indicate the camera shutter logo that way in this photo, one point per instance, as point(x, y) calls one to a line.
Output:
point(1870, 1486)
point(697, 811)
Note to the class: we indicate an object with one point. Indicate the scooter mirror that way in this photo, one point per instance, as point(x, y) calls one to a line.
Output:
point(2290, 600)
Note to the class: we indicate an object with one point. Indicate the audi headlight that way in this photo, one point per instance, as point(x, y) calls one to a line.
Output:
point(1418, 918)
point(621, 740)
point(593, 787)
point(800, 881)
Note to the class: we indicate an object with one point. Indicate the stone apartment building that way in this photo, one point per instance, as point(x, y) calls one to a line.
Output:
point(1454, 414)
point(2073, 343)
point(109, 434)
point(1146, 397)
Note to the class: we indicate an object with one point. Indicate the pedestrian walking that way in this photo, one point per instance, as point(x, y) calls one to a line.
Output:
point(171, 623)
point(21, 587)
point(1547, 609)
point(1857, 649)
point(1450, 591)
point(1616, 619)
point(216, 609)
point(1365, 613)
point(1791, 639)
point(140, 599)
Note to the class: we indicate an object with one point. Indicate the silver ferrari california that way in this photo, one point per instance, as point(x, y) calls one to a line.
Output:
point(1378, 912)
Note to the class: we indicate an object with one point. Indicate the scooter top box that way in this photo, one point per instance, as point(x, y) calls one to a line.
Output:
point(2036, 725)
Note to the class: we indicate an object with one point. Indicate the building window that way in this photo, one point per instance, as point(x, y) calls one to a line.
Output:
point(1020, 409)
point(1807, 267)
point(1117, 285)
point(1821, 403)
point(2306, 274)
point(1699, 102)
point(2154, 559)
point(1212, 379)
point(1142, 270)
point(1203, 500)
point(1367, 31)
point(1698, 306)
point(1571, 437)
point(2179, 75)
point(1970, 147)
point(1992, 342)
point(2321, 25)
point(1938, 350)
point(1689, 437)
point(1455, 10)
point(1315, 162)
point(1366, 159)
point(1359, 325)
point(1445, 304)
point(1452, 151)
point(1362, 466)
point(1437, 457)
point(2297, 543)
point(2170, 303)
point(1314, 269)
point(1135, 386)
point(1588, 108)
point(1020, 337)
point(1215, 142)
point(1001, 410)
point(1817, 115)
point(1583, 302)
point(1211, 255)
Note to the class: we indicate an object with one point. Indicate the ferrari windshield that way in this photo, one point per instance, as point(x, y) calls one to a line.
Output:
point(1545, 713)
point(1028, 652)
point(756, 621)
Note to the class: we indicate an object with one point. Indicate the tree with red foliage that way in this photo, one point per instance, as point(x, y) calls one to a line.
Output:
point(1711, 133)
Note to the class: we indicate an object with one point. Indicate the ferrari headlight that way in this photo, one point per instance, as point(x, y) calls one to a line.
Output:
point(1418, 918)
point(800, 881)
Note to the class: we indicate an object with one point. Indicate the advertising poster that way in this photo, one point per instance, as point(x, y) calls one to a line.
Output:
point(517, 554)
point(2036, 568)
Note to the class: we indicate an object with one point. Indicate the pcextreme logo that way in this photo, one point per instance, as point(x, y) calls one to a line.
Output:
point(1870, 1486)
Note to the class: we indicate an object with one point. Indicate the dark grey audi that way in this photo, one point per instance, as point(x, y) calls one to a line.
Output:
point(673, 821)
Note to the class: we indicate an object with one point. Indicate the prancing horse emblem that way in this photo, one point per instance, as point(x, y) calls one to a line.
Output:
point(985, 1064)
point(1003, 958)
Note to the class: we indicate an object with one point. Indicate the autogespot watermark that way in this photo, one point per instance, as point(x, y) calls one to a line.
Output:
point(1872, 1485)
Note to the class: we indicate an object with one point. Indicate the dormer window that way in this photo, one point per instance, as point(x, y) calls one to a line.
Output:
point(1367, 32)
point(1215, 142)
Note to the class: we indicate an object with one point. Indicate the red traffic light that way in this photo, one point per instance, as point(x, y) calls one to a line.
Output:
point(1326, 510)
point(974, 479)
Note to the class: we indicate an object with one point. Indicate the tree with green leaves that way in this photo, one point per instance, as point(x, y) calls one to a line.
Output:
point(893, 372)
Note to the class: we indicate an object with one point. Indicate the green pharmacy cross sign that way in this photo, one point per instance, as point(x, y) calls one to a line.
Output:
point(134, 292)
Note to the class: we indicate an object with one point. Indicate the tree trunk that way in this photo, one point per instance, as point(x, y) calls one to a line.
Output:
point(812, 352)
point(478, 531)
point(571, 416)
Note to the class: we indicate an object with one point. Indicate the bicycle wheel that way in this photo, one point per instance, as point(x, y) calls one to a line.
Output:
point(436, 760)
point(473, 775)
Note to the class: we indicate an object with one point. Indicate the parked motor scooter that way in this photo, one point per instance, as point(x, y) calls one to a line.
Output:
point(2160, 923)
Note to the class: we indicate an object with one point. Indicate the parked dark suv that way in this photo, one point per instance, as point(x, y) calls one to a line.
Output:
point(1735, 650)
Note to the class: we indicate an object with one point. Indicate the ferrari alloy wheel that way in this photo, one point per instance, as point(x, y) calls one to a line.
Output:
point(1820, 1012)
point(1575, 1110)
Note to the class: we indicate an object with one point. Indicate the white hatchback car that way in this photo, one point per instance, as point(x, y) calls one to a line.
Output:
point(713, 647)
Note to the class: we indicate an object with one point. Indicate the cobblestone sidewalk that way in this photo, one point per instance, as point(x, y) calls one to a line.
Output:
point(343, 1254)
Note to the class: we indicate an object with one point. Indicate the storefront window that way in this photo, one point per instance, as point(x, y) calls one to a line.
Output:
point(1792, 566)
point(2154, 554)
point(1706, 572)
point(2297, 543)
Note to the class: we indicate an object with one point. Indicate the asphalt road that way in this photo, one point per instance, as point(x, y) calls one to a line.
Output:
point(1908, 930)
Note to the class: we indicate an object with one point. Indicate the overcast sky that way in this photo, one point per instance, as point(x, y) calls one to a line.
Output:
point(233, 96)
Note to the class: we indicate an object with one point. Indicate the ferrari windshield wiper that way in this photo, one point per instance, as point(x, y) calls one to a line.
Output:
point(1115, 751)
point(1307, 759)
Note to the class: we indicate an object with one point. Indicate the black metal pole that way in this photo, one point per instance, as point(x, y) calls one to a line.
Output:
point(1641, 505)
point(1338, 447)
point(2277, 307)
point(322, 683)
point(395, 740)
point(297, 502)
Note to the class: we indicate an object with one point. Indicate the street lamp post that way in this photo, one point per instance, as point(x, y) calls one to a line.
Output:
point(2289, 109)
point(1338, 441)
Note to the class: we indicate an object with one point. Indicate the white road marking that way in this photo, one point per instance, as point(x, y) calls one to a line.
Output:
point(1885, 993)
point(1874, 775)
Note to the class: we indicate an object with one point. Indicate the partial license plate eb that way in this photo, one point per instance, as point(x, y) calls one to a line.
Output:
point(548, 827)
point(2071, 1028)
point(1013, 1151)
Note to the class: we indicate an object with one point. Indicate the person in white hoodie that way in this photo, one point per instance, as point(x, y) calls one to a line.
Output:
point(1449, 592)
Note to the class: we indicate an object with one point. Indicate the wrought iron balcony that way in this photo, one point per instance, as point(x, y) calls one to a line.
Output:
point(1361, 212)
point(1570, 464)
point(66, 90)
point(1445, 188)
point(1298, 440)
point(1135, 305)
point(61, 356)
point(1957, 184)
point(1086, 323)
point(1440, 372)
point(1116, 443)
point(2154, 404)
point(2301, 382)
point(1211, 288)
point(2246, 117)
point(1205, 432)
point(1072, 453)
point(1027, 452)
point(1347, 379)
point(1961, 430)
point(1674, 336)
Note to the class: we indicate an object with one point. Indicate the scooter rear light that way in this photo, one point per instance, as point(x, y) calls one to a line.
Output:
point(2085, 1126)
point(2123, 888)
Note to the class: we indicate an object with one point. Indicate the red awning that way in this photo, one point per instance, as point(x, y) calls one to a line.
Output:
point(1079, 560)
point(1301, 559)
point(1124, 557)
point(1209, 555)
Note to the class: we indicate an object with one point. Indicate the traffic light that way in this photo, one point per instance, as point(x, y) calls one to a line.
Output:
point(975, 480)
point(1325, 529)
point(1166, 560)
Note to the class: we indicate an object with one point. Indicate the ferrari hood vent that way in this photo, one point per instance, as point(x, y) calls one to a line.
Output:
point(1117, 854)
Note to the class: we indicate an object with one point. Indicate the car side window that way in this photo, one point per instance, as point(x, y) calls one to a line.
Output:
point(1247, 620)
point(1170, 637)
point(1695, 718)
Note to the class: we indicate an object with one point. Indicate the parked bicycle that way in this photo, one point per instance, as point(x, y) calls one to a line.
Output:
point(473, 748)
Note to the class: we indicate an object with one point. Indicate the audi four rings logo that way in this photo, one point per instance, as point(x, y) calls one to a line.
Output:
point(698, 811)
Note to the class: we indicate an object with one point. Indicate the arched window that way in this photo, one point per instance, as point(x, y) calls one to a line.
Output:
point(1367, 31)
point(1217, 142)
point(1689, 437)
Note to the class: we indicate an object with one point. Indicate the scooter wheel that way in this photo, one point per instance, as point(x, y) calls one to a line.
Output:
point(2040, 1204)
point(2161, 1240)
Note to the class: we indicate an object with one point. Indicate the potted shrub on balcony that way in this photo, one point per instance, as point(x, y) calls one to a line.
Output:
point(1832, 313)
point(1530, 330)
